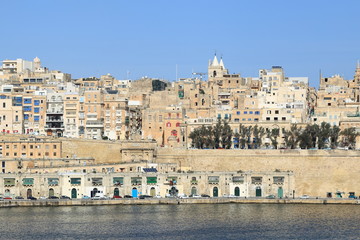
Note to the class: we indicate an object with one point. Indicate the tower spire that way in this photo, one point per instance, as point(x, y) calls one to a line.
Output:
point(215, 61)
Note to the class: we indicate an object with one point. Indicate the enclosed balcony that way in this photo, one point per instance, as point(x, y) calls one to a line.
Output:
point(213, 179)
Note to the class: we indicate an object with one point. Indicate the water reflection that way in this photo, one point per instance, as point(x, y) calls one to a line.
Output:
point(202, 221)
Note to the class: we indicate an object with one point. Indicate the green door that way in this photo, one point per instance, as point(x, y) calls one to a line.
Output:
point(73, 193)
point(280, 192)
point(116, 192)
point(193, 191)
point(237, 192)
point(215, 192)
point(258, 192)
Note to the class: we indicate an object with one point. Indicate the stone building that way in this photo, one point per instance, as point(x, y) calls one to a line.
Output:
point(148, 182)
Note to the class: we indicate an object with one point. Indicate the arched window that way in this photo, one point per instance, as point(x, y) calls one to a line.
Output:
point(178, 124)
point(168, 124)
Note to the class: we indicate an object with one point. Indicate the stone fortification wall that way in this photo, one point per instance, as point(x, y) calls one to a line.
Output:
point(316, 172)
point(102, 151)
point(109, 152)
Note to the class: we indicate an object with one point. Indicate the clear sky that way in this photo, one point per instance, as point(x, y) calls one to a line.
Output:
point(149, 38)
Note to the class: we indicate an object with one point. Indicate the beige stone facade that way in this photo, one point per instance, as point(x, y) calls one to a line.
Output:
point(214, 184)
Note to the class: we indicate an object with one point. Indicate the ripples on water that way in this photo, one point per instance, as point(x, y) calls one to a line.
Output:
point(201, 221)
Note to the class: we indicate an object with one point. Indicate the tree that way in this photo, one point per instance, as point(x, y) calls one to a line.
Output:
point(226, 136)
point(334, 136)
point(217, 133)
point(242, 134)
point(248, 133)
point(292, 137)
point(195, 138)
point(212, 137)
point(237, 140)
point(273, 134)
point(323, 135)
point(308, 137)
point(209, 139)
point(258, 133)
point(349, 137)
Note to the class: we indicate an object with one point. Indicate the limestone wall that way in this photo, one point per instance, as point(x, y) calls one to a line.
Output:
point(315, 172)
point(102, 151)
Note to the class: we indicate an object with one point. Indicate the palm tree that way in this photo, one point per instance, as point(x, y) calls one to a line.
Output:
point(242, 134)
point(258, 133)
point(217, 133)
point(334, 136)
point(292, 137)
point(308, 137)
point(248, 133)
point(323, 135)
point(273, 134)
point(226, 136)
point(349, 137)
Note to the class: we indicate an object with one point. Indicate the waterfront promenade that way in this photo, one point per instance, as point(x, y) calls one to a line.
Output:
point(172, 201)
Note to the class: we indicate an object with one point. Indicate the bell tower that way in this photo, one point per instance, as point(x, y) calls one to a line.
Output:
point(215, 69)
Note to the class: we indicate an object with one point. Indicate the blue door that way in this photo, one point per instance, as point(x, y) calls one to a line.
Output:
point(134, 193)
point(280, 192)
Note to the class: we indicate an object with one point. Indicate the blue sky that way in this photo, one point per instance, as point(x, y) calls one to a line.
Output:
point(149, 38)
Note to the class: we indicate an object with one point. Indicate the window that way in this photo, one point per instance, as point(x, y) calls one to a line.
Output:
point(36, 118)
point(245, 112)
point(238, 113)
point(168, 124)
point(27, 100)
point(276, 111)
point(178, 124)
point(27, 108)
point(36, 102)
point(257, 112)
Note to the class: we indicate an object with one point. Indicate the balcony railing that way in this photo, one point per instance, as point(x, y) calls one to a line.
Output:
point(194, 182)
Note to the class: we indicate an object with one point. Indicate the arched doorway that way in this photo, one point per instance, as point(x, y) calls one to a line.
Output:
point(258, 192)
point(215, 192)
point(73, 193)
point(134, 192)
point(280, 192)
point(94, 192)
point(193, 191)
point(116, 192)
point(152, 191)
point(29, 193)
point(51, 192)
point(237, 191)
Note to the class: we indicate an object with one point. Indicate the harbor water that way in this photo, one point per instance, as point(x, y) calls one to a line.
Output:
point(191, 221)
